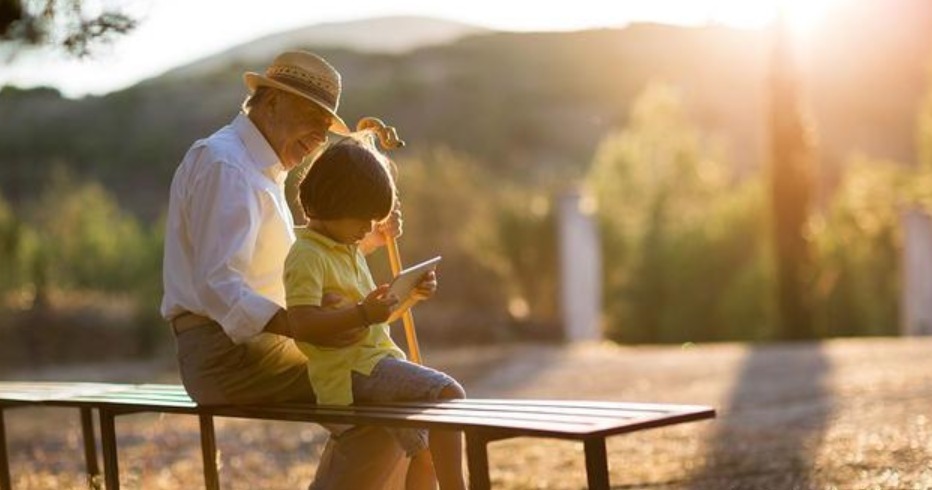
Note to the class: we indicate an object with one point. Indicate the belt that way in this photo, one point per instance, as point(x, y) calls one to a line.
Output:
point(189, 321)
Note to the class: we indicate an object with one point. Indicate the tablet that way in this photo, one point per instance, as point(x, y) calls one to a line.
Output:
point(405, 282)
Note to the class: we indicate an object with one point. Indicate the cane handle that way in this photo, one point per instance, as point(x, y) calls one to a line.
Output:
point(387, 135)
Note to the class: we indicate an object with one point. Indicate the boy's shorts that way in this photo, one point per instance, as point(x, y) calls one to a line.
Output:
point(396, 380)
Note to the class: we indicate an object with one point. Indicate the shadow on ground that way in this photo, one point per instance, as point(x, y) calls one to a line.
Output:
point(777, 414)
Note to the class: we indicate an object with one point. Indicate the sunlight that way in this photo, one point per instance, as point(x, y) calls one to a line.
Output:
point(805, 15)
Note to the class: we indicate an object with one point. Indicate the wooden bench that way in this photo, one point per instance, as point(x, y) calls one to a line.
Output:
point(22, 394)
point(482, 421)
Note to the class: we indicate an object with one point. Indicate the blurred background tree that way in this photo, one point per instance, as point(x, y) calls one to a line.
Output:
point(857, 247)
point(682, 237)
point(64, 24)
point(792, 161)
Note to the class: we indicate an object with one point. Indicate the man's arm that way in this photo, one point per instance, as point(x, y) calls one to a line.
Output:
point(278, 324)
point(378, 237)
point(338, 327)
point(281, 324)
point(224, 215)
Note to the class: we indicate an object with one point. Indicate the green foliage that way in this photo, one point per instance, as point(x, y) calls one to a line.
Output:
point(682, 244)
point(858, 245)
point(87, 241)
point(685, 250)
point(17, 243)
point(519, 241)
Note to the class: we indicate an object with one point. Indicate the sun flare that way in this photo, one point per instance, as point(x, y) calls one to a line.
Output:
point(802, 15)
point(806, 15)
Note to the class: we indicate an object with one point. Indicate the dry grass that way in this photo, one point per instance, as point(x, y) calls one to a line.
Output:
point(845, 414)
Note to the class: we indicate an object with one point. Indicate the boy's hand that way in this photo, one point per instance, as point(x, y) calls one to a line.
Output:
point(378, 305)
point(391, 227)
point(426, 288)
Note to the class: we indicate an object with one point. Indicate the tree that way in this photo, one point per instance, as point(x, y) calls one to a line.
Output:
point(59, 24)
point(681, 236)
point(790, 184)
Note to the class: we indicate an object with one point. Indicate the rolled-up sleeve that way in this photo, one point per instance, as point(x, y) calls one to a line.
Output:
point(225, 219)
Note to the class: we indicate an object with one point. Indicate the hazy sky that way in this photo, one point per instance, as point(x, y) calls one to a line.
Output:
point(175, 32)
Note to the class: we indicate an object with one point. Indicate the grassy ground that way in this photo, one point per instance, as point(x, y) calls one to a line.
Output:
point(845, 414)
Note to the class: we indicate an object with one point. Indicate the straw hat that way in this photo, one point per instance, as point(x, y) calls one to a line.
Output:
point(304, 74)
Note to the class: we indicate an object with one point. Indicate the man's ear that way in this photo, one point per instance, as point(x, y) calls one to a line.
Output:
point(271, 101)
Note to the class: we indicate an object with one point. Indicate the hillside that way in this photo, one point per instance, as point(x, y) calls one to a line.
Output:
point(396, 35)
point(531, 107)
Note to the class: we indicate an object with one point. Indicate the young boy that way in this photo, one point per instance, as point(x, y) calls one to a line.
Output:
point(338, 314)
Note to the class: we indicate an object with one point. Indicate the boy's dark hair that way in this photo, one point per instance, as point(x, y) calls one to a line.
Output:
point(350, 179)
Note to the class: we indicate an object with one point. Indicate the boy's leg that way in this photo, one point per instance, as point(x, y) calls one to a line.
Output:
point(398, 380)
point(359, 459)
point(446, 447)
point(420, 474)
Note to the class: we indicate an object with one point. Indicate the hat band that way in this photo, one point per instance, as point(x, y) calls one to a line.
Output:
point(304, 86)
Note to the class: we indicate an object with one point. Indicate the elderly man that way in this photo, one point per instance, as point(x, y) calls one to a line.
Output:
point(228, 231)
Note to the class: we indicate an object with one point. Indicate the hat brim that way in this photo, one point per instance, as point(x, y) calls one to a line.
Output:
point(256, 80)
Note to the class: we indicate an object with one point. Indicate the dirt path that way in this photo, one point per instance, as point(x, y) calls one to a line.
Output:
point(840, 414)
point(845, 414)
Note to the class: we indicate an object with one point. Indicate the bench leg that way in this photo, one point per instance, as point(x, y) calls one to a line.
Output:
point(90, 449)
point(596, 464)
point(209, 452)
point(4, 462)
point(477, 459)
point(108, 443)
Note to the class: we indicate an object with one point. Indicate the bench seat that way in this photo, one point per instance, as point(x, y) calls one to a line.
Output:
point(482, 421)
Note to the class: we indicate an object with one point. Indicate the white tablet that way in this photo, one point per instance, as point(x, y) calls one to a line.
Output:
point(408, 279)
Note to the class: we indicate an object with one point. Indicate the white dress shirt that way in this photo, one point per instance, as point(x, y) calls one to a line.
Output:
point(228, 232)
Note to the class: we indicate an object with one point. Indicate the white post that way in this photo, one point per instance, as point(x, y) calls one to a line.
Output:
point(916, 304)
point(580, 267)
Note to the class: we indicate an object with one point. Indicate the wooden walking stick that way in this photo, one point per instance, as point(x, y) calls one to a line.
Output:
point(389, 140)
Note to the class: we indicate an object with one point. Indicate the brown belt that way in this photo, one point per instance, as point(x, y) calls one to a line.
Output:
point(188, 321)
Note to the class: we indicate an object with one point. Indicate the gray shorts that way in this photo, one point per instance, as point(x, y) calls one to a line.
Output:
point(395, 380)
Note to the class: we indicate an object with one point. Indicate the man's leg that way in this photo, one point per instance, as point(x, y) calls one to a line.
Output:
point(361, 458)
point(272, 370)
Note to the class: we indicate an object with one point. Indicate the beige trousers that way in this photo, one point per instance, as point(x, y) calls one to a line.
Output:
point(270, 369)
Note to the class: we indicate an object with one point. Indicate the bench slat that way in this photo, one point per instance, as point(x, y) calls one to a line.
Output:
point(557, 407)
point(447, 414)
point(351, 416)
point(16, 391)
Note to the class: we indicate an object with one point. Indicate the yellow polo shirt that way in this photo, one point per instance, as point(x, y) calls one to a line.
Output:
point(317, 265)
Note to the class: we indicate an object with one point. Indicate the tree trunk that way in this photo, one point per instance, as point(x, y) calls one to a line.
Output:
point(790, 184)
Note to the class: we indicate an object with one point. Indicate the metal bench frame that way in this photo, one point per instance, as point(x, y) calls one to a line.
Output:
point(482, 420)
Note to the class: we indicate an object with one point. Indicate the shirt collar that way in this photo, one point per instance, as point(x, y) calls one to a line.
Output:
point(264, 157)
point(311, 234)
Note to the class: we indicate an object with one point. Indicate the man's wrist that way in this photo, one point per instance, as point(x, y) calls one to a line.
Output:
point(278, 324)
